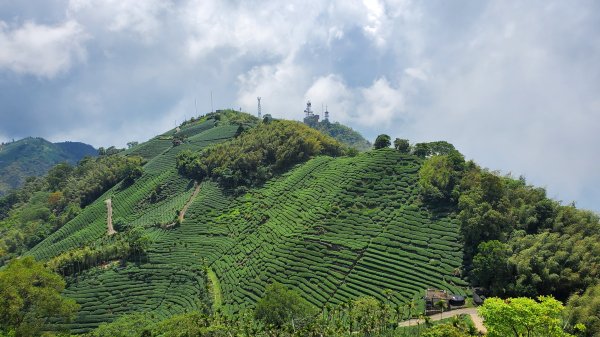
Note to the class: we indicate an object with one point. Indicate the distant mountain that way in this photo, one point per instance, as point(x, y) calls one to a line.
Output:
point(34, 157)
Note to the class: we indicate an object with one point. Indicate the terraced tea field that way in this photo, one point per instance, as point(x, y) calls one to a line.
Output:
point(332, 228)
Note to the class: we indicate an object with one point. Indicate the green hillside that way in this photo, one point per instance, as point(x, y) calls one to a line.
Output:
point(34, 157)
point(332, 228)
point(207, 217)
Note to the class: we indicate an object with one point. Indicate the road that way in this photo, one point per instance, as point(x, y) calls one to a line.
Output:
point(477, 320)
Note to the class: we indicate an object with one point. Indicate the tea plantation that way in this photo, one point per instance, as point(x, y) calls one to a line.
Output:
point(331, 228)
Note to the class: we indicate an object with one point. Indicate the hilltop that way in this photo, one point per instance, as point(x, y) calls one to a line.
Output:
point(206, 217)
point(34, 157)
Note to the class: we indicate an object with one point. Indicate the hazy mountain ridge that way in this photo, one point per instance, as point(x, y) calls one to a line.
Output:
point(34, 157)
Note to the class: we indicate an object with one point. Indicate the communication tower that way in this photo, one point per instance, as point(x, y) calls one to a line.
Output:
point(311, 119)
point(326, 114)
point(259, 108)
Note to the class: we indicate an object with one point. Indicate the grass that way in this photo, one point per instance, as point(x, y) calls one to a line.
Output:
point(214, 288)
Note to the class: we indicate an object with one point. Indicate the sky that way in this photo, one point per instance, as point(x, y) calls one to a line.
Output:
point(514, 85)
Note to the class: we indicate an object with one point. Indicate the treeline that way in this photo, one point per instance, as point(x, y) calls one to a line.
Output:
point(517, 241)
point(44, 204)
point(257, 154)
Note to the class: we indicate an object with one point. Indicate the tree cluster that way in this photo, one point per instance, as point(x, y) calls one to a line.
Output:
point(517, 242)
point(30, 296)
point(258, 154)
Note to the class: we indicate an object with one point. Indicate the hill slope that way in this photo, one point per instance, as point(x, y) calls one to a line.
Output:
point(332, 228)
point(34, 157)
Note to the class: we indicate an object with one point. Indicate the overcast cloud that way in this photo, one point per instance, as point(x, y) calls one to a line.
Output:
point(513, 84)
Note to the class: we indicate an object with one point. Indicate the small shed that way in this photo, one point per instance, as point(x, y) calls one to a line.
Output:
point(433, 296)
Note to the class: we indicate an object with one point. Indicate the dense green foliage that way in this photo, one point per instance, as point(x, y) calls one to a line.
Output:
point(584, 309)
point(280, 306)
point(34, 157)
point(382, 141)
point(523, 316)
point(533, 245)
point(257, 154)
point(30, 296)
point(402, 145)
point(343, 134)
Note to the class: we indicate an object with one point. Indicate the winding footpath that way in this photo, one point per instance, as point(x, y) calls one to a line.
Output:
point(189, 202)
point(477, 320)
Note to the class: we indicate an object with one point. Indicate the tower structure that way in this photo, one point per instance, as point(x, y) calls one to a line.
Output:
point(326, 114)
point(259, 108)
point(310, 118)
point(308, 110)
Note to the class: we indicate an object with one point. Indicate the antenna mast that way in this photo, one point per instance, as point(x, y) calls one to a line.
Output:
point(259, 108)
point(326, 117)
point(308, 110)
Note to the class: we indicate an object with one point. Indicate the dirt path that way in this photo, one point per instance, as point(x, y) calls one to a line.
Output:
point(189, 202)
point(111, 230)
point(477, 321)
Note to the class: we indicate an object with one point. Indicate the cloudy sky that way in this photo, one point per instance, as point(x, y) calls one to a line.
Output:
point(515, 85)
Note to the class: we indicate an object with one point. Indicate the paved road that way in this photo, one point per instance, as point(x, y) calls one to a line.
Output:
point(466, 311)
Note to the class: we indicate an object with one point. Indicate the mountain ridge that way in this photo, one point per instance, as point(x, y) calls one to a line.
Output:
point(34, 156)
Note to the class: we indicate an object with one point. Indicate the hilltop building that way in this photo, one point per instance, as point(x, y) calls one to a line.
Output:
point(310, 118)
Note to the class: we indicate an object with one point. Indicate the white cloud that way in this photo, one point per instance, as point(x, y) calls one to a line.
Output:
point(140, 18)
point(280, 85)
point(373, 106)
point(41, 50)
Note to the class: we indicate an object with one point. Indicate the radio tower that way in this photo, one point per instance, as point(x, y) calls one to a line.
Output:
point(259, 109)
point(326, 114)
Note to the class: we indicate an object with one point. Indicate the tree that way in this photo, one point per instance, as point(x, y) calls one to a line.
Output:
point(421, 150)
point(441, 304)
point(29, 296)
point(402, 145)
point(436, 178)
point(490, 266)
point(523, 316)
point(131, 144)
point(281, 306)
point(132, 172)
point(585, 310)
point(364, 312)
point(382, 141)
